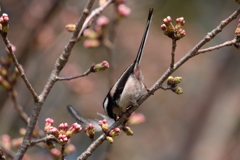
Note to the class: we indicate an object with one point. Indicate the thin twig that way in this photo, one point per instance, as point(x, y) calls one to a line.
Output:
point(20, 69)
point(7, 151)
point(19, 108)
point(44, 139)
point(193, 52)
point(225, 44)
point(74, 77)
point(174, 45)
point(62, 151)
point(93, 14)
point(60, 63)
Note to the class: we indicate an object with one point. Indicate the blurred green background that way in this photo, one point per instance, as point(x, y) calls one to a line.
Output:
point(201, 124)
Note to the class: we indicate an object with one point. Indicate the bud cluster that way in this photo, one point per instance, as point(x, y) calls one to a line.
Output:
point(172, 83)
point(90, 131)
point(96, 35)
point(175, 32)
point(4, 23)
point(113, 133)
point(8, 77)
point(100, 66)
point(63, 133)
point(104, 125)
point(120, 7)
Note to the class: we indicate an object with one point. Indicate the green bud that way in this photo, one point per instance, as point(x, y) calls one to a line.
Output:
point(128, 131)
point(110, 139)
point(114, 132)
point(177, 80)
point(179, 90)
point(70, 27)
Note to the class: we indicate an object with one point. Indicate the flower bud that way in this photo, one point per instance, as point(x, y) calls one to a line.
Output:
point(170, 81)
point(63, 127)
point(90, 131)
point(70, 27)
point(102, 2)
point(3, 71)
point(114, 132)
point(5, 84)
point(127, 130)
point(91, 34)
point(70, 148)
point(136, 118)
point(104, 125)
point(54, 131)
point(91, 43)
point(110, 139)
point(56, 152)
point(237, 31)
point(177, 80)
point(178, 90)
point(123, 10)
point(48, 124)
point(4, 20)
point(102, 21)
point(180, 22)
point(74, 129)
point(63, 139)
point(100, 66)
point(180, 34)
point(22, 131)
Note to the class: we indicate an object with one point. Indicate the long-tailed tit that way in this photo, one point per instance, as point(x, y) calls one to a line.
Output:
point(128, 89)
point(124, 93)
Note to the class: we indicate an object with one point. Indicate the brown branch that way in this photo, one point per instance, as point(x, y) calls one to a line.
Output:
point(19, 108)
point(93, 14)
point(225, 44)
point(20, 69)
point(62, 151)
point(44, 139)
point(193, 52)
point(90, 70)
point(7, 151)
point(60, 63)
point(174, 45)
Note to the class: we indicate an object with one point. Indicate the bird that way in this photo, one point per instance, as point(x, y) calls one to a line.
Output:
point(124, 93)
point(129, 87)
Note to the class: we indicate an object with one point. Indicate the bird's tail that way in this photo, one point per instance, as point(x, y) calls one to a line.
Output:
point(144, 38)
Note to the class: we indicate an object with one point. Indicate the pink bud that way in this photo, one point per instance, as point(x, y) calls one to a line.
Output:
point(102, 21)
point(123, 10)
point(49, 121)
point(163, 27)
point(56, 152)
point(63, 127)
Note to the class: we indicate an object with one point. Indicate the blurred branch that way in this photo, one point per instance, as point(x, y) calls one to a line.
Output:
point(60, 63)
point(19, 108)
point(20, 69)
point(93, 14)
point(7, 151)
